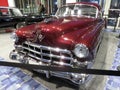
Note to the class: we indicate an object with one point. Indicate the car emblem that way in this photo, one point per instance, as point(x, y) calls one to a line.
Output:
point(40, 37)
point(37, 36)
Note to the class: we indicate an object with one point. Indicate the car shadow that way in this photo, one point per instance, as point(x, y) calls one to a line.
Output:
point(54, 83)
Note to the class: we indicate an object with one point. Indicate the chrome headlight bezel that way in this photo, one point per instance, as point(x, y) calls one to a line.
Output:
point(81, 51)
point(14, 37)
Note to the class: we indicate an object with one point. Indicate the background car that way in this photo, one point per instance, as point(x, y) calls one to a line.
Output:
point(12, 17)
point(70, 39)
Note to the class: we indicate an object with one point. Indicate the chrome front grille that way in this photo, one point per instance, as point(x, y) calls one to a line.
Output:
point(47, 54)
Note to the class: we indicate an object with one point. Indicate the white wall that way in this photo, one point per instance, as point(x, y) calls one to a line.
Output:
point(70, 1)
point(11, 3)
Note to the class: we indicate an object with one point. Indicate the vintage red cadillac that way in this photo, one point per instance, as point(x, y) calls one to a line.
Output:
point(70, 38)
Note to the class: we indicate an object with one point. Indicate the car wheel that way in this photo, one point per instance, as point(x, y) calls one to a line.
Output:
point(20, 25)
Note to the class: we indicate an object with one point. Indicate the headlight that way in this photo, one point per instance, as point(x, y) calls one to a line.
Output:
point(81, 51)
point(14, 37)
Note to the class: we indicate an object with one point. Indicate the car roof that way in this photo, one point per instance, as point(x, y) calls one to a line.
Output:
point(87, 3)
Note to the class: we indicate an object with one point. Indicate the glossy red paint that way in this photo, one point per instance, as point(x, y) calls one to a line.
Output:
point(64, 31)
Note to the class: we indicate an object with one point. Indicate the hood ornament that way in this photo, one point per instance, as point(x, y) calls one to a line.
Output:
point(37, 36)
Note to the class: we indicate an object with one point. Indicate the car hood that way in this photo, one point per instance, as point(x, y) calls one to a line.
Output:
point(58, 32)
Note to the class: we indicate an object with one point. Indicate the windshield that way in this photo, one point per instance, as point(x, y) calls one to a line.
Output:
point(15, 12)
point(77, 10)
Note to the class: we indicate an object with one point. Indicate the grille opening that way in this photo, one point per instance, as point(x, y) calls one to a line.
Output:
point(66, 61)
point(25, 50)
point(38, 55)
point(37, 49)
point(55, 59)
point(46, 51)
point(31, 47)
point(31, 53)
point(55, 53)
point(46, 57)
point(25, 45)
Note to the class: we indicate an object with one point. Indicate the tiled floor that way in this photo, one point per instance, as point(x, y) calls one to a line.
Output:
point(113, 82)
point(14, 79)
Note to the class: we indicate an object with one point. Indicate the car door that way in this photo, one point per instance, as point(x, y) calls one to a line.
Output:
point(5, 18)
point(10, 17)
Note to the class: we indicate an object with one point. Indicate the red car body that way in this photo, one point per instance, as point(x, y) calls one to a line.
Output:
point(66, 40)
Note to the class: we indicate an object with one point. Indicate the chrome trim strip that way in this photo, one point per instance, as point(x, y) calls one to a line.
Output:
point(48, 48)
